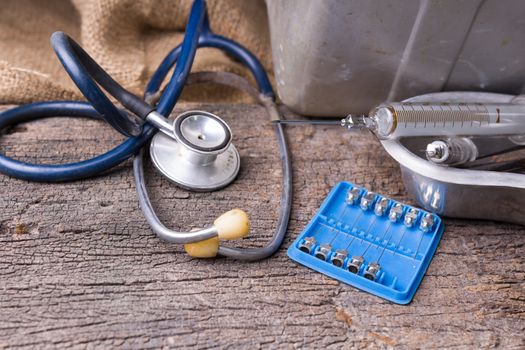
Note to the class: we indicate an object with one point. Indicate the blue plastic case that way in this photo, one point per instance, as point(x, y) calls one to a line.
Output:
point(370, 229)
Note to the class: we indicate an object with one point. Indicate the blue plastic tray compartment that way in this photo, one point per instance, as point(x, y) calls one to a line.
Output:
point(403, 253)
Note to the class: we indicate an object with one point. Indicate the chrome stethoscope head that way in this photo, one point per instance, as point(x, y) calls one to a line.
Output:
point(195, 151)
point(199, 143)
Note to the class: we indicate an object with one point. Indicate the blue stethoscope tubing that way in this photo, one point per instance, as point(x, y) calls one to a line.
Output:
point(89, 77)
point(86, 74)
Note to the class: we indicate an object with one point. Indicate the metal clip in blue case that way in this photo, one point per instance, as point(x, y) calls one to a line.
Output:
point(370, 242)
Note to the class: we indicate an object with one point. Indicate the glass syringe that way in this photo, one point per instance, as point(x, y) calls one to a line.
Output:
point(397, 120)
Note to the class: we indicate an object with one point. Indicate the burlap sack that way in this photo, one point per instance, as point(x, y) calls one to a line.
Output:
point(128, 38)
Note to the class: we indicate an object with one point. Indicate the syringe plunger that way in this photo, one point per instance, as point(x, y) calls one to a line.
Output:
point(452, 151)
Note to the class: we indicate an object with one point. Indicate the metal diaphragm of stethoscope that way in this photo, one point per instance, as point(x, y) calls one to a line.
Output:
point(194, 150)
point(201, 143)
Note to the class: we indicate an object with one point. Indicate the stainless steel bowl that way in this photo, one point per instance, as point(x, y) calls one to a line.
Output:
point(454, 192)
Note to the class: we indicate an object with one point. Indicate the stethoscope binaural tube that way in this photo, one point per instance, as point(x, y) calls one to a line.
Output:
point(213, 247)
point(88, 76)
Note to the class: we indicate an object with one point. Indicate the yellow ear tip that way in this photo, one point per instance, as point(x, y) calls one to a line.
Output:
point(233, 224)
point(203, 249)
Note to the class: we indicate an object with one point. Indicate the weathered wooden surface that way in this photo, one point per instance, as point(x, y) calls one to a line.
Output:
point(79, 266)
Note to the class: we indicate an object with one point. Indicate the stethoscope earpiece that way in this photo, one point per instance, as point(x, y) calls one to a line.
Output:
point(197, 154)
point(203, 249)
point(233, 224)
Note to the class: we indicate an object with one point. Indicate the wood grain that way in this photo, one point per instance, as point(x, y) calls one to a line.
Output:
point(80, 268)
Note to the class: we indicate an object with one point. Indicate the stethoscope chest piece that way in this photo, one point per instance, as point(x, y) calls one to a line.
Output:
point(201, 156)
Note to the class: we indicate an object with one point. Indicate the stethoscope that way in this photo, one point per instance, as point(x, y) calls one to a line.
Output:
point(194, 150)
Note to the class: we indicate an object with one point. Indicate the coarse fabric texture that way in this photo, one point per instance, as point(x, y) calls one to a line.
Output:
point(128, 38)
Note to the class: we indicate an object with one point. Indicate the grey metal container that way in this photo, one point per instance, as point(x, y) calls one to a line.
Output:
point(334, 57)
